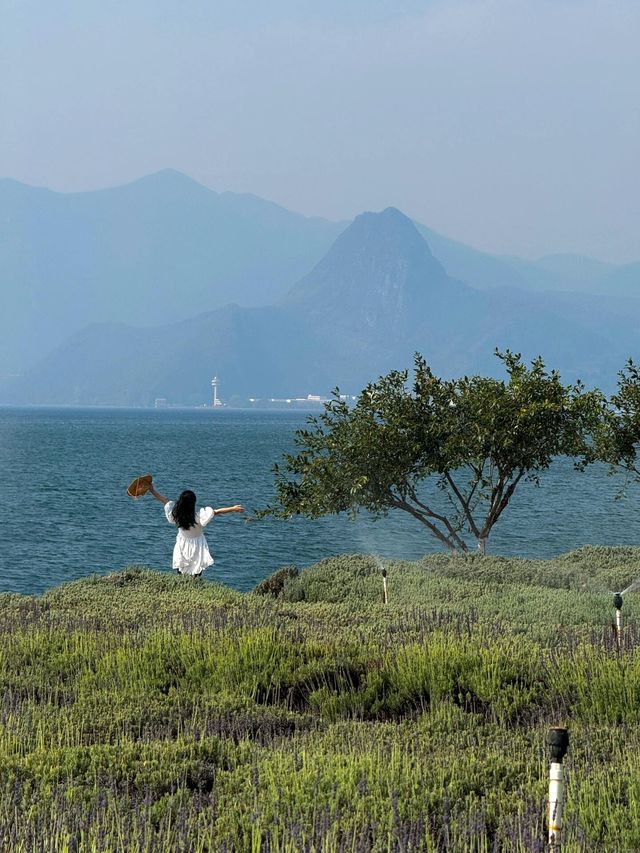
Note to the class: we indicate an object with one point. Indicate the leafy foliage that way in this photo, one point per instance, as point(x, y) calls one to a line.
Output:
point(477, 436)
point(618, 438)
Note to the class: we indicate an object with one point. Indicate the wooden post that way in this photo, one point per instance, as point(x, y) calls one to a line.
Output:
point(384, 586)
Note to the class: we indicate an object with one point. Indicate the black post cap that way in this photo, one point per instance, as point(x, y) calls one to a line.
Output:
point(617, 601)
point(558, 743)
point(384, 573)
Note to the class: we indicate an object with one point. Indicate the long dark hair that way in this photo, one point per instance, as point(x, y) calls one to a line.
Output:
point(184, 511)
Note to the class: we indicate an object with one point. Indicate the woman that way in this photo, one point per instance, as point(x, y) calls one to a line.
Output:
point(190, 553)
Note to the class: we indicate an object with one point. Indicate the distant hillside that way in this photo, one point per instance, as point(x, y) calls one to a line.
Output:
point(564, 272)
point(377, 296)
point(159, 249)
point(369, 302)
point(557, 273)
point(623, 281)
point(479, 269)
point(164, 248)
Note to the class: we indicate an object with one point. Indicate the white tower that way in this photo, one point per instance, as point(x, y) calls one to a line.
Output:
point(214, 384)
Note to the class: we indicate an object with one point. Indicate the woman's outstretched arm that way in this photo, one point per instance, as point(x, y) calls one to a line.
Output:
point(158, 496)
point(236, 508)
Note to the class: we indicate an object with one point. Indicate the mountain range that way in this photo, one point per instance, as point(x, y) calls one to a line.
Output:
point(192, 283)
point(161, 248)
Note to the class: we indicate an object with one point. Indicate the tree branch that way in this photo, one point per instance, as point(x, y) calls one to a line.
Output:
point(453, 533)
point(464, 502)
point(449, 541)
point(496, 511)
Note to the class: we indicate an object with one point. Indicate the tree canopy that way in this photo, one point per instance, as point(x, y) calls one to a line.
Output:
point(618, 439)
point(477, 437)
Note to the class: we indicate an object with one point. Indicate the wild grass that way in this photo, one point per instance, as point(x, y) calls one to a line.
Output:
point(144, 712)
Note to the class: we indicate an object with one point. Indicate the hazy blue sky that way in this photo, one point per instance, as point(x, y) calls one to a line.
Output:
point(513, 125)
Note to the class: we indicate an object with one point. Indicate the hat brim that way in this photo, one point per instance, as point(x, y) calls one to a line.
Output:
point(140, 486)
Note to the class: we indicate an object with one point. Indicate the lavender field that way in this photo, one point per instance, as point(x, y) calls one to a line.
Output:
point(144, 712)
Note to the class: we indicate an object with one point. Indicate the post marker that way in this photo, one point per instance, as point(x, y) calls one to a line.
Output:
point(558, 743)
point(617, 603)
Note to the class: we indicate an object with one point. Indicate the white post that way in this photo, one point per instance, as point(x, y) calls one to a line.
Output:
point(558, 741)
point(617, 603)
point(482, 545)
point(384, 586)
point(556, 802)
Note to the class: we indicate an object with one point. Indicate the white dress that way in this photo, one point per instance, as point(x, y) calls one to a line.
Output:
point(191, 553)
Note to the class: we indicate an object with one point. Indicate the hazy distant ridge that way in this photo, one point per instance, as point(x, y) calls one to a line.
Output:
point(161, 248)
point(165, 248)
point(377, 295)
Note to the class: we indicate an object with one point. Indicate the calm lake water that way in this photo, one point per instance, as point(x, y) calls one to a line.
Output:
point(63, 475)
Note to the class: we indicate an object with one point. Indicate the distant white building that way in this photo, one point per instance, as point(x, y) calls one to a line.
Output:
point(216, 401)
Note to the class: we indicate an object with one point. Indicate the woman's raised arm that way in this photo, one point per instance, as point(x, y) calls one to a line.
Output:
point(158, 496)
point(223, 509)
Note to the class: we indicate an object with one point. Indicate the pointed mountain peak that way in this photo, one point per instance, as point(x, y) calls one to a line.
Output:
point(389, 229)
point(376, 246)
point(377, 250)
point(379, 273)
point(389, 214)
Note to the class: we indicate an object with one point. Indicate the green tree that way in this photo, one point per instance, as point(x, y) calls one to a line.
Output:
point(618, 438)
point(477, 437)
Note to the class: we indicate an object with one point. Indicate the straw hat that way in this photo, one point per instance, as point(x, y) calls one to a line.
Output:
point(140, 486)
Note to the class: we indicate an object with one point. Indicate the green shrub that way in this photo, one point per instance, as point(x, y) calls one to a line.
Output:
point(275, 583)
